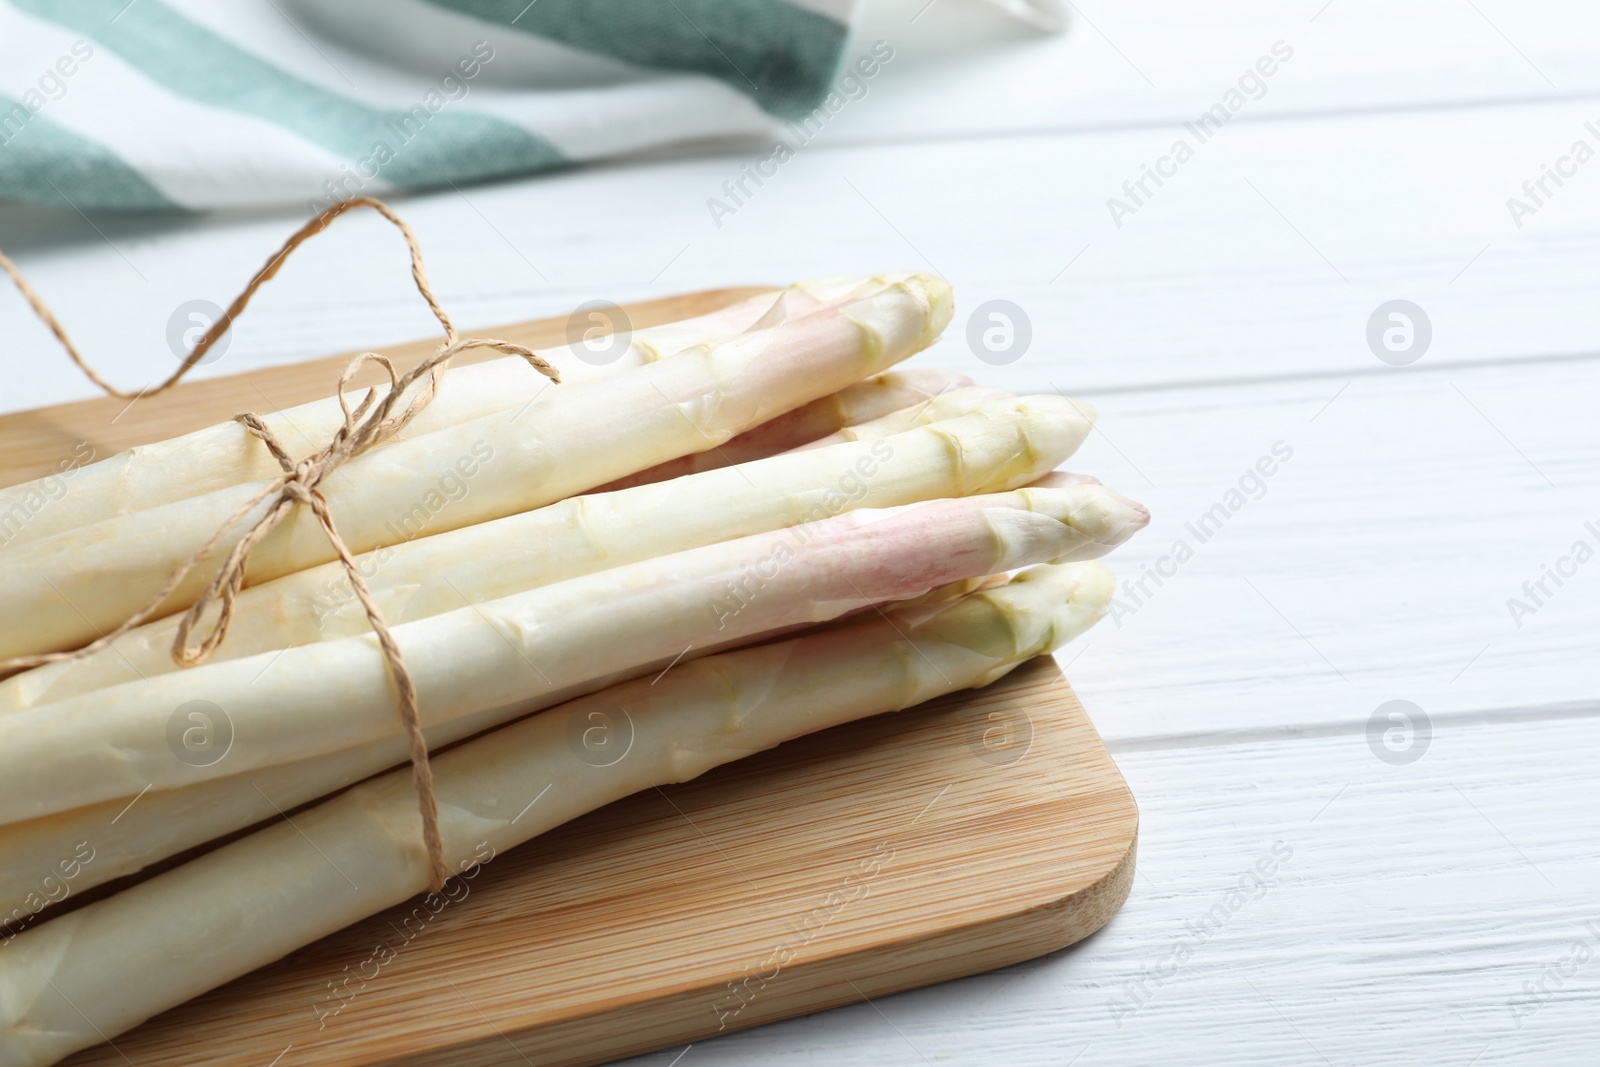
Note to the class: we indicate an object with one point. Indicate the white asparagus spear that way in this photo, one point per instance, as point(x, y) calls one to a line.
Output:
point(1002, 446)
point(947, 405)
point(60, 592)
point(854, 405)
point(148, 476)
point(319, 698)
point(88, 975)
point(225, 454)
point(125, 837)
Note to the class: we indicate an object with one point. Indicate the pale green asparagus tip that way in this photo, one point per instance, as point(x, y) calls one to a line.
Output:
point(932, 291)
point(941, 301)
point(1038, 611)
point(1089, 587)
point(1046, 425)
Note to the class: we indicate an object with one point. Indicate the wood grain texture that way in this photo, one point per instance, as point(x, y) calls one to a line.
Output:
point(33, 443)
point(972, 832)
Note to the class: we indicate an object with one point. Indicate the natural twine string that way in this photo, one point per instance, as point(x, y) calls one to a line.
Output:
point(372, 422)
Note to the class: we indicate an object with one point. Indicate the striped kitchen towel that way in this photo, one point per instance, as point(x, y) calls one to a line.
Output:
point(151, 104)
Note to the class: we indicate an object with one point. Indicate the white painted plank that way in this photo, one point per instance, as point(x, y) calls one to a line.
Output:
point(1375, 564)
point(1408, 907)
point(1162, 62)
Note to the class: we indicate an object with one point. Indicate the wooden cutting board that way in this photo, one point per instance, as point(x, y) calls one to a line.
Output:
point(972, 832)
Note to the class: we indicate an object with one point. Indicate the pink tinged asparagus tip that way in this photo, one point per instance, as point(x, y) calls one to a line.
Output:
point(873, 556)
point(1134, 517)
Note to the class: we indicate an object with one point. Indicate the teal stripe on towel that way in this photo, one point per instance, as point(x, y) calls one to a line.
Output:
point(782, 56)
point(43, 161)
point(189, 60)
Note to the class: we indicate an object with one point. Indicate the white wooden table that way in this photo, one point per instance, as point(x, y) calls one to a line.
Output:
point(1435, 904)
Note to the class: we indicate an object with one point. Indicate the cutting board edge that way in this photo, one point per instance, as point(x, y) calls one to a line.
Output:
point(926, 960)
point(1033, 929)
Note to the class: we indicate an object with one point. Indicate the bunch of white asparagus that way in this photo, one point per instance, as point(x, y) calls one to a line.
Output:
point(747, 528)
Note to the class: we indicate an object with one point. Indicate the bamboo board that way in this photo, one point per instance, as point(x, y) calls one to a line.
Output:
point(975, 831)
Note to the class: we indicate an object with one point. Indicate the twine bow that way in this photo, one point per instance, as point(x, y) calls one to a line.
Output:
point(372, 421)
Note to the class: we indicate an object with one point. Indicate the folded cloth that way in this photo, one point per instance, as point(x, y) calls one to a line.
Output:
point(152, 104)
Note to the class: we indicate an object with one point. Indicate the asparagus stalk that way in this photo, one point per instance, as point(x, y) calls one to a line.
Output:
point(1000, 446)
point(306, 701)
point(62, 591)
point(856, 404)
point(87, 975)
point(216, 457)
